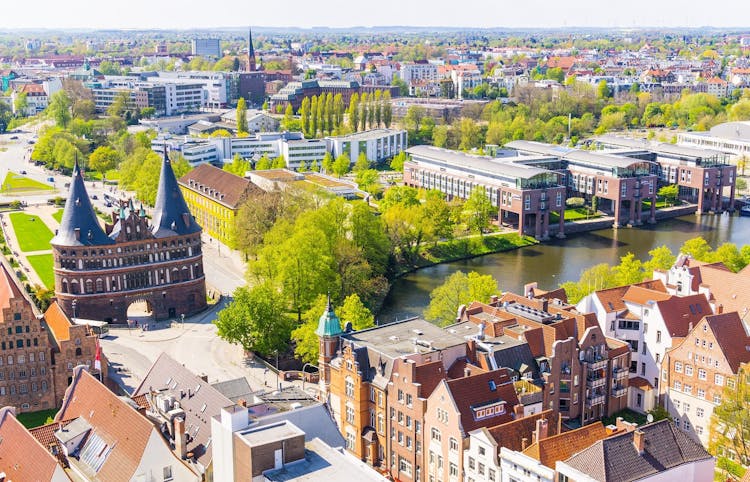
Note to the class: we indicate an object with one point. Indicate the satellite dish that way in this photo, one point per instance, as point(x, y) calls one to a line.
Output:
point(649, 418)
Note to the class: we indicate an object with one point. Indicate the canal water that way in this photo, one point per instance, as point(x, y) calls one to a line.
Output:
point(558, 261)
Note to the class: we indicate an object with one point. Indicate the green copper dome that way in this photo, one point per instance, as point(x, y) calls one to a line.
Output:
point(328, 323)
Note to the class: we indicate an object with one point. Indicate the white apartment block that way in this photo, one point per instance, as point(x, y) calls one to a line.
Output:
point(517, 467)
point(377, 144)
point(648, 318)
point(303, 151)
point(410, 73)
point(481, 458)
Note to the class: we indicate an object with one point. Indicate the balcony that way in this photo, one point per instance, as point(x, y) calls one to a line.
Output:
point(595, 400)
point(619, 391)
point(596, 363)
point(594, 382)
point(619, 373)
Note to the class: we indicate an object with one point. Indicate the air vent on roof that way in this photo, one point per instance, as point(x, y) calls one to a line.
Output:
point(417, 331)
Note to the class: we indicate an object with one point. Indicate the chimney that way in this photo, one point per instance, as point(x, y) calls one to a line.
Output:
point(494, 299)
point(180, 443)
point(545, 304)
point(242, 402)
point(690, 326)
point(639, 440)
point(524, 443)
point(467, 371)
point(542, 429)
point(518, 410)
point(204, 377)
point(719, 309)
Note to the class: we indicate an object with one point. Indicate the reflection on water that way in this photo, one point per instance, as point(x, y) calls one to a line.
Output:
point(562, 260)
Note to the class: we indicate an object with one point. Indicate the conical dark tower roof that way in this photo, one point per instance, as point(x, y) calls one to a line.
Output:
point(79, 226)
point(171, 215)
point(250, 51)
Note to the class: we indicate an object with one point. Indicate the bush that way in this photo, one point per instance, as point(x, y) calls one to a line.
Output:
point(575, 202)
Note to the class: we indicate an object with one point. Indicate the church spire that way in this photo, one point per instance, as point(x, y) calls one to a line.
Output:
point(250, 51)
point(79, 225)
point(171, 215)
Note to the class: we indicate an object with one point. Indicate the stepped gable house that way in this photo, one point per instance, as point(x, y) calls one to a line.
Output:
point(99, 272)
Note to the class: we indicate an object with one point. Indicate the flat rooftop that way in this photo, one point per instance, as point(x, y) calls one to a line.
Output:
point(574, 156)
point(659, 147)
point(279, 175)
point(264, 435)
point(366, 135)
point(398, 339)
point(324, 463)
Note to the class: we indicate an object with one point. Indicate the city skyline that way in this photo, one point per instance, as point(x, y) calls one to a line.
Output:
point(338, 13)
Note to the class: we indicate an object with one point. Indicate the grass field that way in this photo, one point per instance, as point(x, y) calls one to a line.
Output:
point(58, 215)
point(573, 214)
point(17, 183)
point(43, 265)
point(32, 233)
point(36, 419)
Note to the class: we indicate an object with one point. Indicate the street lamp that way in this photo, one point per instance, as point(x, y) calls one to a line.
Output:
point(182, 319)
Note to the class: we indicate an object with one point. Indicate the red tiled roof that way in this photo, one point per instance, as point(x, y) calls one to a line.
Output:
point(731, 290)
point(611, 299)
point(46, 436)
point(640, 382)
point(58, 322)
point(22, 457)
point(640, 295)
point(511, 434)
point(125, 430)
point(731, 335)
point(682, 312)
point(476, 390)
point(562, 446)
point(8, 287)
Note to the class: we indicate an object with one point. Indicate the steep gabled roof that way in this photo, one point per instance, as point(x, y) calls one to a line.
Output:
point(731, 335)
point(124, 431)
point(616, 458)
point(197, 398)
point(511, 434)
point(8, 287)
point(471, 392)
point(682, 312)
point(22, 457)
point(79, 225)
point(58, 322)
point(217, 184)
point(171, 215)
point(560, 447)
point(612, 298)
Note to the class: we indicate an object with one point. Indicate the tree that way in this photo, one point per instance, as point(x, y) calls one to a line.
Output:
point(241, 115)
point(661, 258)
point(598, 277)
point(742, 164)
point(364, 105)
point(355, 312)
point(304, 112)
point(400, 195)
point(21, 104)
point(255, 320)
point(354, 112)
point(329, 113)
point(387, 109)
point(602, 90)
point(238, 166)
point(59, 108)
point(314, 166)
point(479, 210)
point(341, 165)
point(439, 215)
point(148, 112)
point(338, 110)
point(729, 435)
point(740, 184)
point(629, 271)
point(327, 163)
point(397, 163)
point(103, 159)
point(314, 116)
point(470, 134)
point(669, 193)
point(306, 347)
point(457, 290)
point(263, 163)
point(698, 248)
point(362, 162)
point(279, 163)
point(368, 181)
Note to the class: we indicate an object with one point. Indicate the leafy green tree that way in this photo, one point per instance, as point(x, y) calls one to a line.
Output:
point(355, 312)
point(314, 116)
point(329, 113)
point(387, 109)
point(264, 163)
point(20, 104)
point(59, 108)
point(457, 290)
point(238, 166)
point(439, 214)
point(338, 111)
point(341, 165)
point(470, 134)
point(661, 258)
point(729, 433)
point(602, 90)
point(598, 277)
point(368, 180)
point(306, 347)
point(629, 271)
point(327, 163)
point(479, 210)
point(304, 112)
point(148, 112)
point(669, 193)
point(698, 248)
point(255, 320)
point(400, 195)
point(354, 112)
point(241, 115)
point(362, 163)
point(279, 163)
point(103, 159)
point(397, 163)
point(364, 106)
point(407, 230)
point(314, 166)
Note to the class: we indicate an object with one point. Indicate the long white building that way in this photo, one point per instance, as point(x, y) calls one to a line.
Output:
point(377, 144)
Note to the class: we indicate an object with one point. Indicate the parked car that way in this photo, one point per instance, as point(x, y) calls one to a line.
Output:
point(95, 197)
point(23, 173)
point(50, 179)
point(13, 138)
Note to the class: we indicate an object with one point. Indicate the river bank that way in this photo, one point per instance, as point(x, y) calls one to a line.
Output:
point(560, 260)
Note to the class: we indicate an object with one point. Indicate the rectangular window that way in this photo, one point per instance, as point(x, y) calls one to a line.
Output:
point(688, 370)
point(701, 374)
point(701, 393)
point(719, 379)
point(408, 399)
point(658, 336)
point(678, 367)
point(167, 473)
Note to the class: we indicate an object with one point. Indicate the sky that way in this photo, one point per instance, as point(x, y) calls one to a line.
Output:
point(189, 14)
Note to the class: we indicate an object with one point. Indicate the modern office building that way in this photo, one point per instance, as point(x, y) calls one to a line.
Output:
point(206, 47)
point(377, 144)
point(524, 194)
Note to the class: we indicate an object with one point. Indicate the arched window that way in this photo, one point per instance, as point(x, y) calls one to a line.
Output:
point(64, 286)
point(89, 286)
point(78, 352)
point(99, 285)
point(74, 287)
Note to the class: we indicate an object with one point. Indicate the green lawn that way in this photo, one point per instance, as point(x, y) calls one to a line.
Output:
point(36, 419)
point(17, 183)
point(660, 204)
point(58, 215)
point(573, 214)
point(43, 265)
point(112, 175)
point(32, 233)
